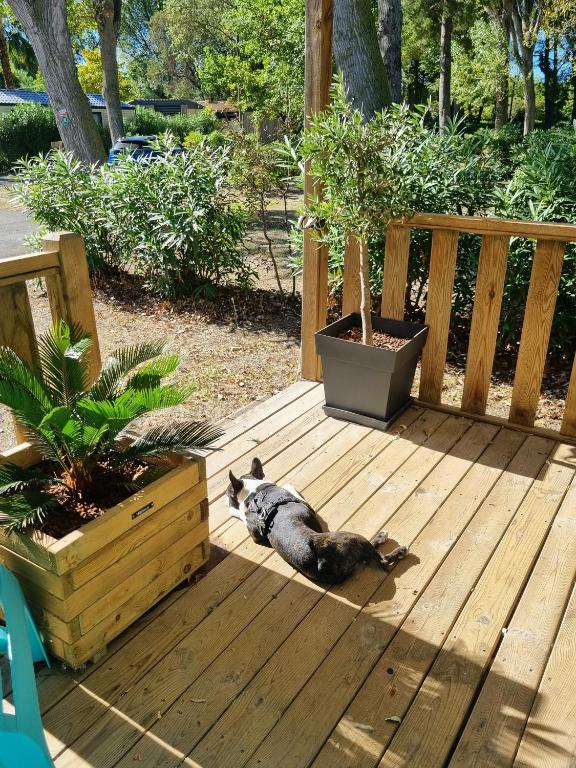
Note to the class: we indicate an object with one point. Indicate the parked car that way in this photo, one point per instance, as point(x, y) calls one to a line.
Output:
point(139, 147)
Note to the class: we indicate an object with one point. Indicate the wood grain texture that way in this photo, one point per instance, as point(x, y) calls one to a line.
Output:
point(485, 319)
point(569, 421)
point(494, 729)
point(17, 330)
point(538, 316)
point(395, 274)
point(76, 291)
point(351, 281)
point(550, 735)
point(317, 81)
point(492, 226)
point(28, 265)
point(428, 731)
point(438, 309)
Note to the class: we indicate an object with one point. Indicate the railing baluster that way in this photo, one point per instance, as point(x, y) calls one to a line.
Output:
point(485, 318)
point(540, 305)
point(569, 420)
point(438, 309)
point(351, 281)
point(395, 274)
point(17, 329)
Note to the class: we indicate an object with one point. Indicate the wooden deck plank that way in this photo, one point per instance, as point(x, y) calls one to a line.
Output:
point(235, 638)
point(249, 552)
point(351, 662)
point(269, 624)
point(550, 735)
point(396, 678)
point(494, 728)
point(232, 741)
point(431, 725)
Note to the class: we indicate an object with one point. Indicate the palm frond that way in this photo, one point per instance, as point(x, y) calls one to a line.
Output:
point(180, 438)
point(24, 405)
point(14, 479)
point(64, 363)
point(21, 510)
point(19, 378)
point(119, 365)
point(150, 375)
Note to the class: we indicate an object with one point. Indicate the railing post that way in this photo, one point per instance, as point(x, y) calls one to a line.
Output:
point(70, 293)
point(318, 77)
point(17, 330)
point(395, 274)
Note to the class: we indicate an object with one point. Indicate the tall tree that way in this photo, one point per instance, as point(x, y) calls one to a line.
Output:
point(445, 88)
point(499, 13)
point(525, 16)
point(107, 14)
point(45, 25)
point(390, 39)
point(358, 56)
point(7, 74)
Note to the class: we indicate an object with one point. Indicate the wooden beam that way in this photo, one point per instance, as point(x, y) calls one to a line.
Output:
point(569, 421)
point(395, 274)
point(318, 78)
point(538, 316)
point(17, 330)
point(74, 295)
point(26, 267)
point(485, 319)
point(438, 309)
point(543, 230)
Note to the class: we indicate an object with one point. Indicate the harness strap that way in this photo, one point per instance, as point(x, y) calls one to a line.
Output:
point(265, 503)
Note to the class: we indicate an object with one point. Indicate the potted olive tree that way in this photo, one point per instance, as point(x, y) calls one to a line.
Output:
point(97, 522)
point(365, 180)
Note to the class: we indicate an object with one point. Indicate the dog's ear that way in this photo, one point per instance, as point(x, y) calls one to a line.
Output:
point(256, 470)
point(236, 484)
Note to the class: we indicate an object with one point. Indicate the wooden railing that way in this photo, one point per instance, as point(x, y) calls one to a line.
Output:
point(539, 312)
point(63, 265)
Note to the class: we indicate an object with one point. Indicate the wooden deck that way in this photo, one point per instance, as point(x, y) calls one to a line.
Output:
point(464, 655)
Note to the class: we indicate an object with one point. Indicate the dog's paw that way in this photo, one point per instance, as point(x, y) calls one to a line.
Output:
point(380, 538)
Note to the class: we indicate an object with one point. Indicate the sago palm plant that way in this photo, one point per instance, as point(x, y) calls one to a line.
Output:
point(77, 428)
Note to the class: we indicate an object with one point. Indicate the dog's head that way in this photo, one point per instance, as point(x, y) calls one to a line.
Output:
point(241, 487)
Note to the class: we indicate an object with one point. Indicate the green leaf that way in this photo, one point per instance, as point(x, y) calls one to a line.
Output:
point(119, 365)
point(64, 363)
point(21, 510)
point(180, 438)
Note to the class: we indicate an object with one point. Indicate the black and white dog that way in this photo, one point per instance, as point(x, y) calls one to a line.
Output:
point(277, 516)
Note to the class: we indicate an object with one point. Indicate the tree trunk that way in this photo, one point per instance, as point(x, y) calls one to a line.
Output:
point(365, 298)
point(358, 56)
point(529, 91)
point(46, 28)
point(573, 98)
point(499, 14)
point(390, 38)
point(444, 95)
point(501, 105)
point(107, 14)
point(9, 81)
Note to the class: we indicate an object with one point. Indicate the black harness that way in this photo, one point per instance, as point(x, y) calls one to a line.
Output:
point(265, 503)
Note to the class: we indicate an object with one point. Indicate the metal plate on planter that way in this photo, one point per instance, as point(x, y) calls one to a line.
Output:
point(142, 510)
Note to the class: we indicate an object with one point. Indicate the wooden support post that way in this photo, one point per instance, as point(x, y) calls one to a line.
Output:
point(538, 316)
point(318, 77)
point(351, 282)
point(70, 293)
point(438, 309)
point(17, 330)
point(485, 319)
point(395, 274)
point(569, 420)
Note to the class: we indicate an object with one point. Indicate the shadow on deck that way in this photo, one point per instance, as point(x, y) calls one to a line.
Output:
point(463, 655)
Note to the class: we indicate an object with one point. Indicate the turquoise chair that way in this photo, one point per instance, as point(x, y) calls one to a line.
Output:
point(22, 741)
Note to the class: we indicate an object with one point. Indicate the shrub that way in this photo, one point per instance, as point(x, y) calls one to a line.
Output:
point(193, 138)
point(542, 188)
point(171, 220)
point(147, 121)
point(26, 130)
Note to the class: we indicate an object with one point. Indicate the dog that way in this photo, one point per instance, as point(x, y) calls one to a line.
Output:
point(278, 517)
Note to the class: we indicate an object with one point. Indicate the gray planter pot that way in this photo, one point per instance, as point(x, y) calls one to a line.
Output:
point(368, 385)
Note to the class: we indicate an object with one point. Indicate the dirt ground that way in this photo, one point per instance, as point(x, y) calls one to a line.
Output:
point(243, 347)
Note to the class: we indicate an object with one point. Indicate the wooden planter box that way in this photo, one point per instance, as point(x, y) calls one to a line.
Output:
point(87, 587)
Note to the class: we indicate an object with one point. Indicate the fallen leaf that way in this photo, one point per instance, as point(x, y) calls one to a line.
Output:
point(394, 719)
